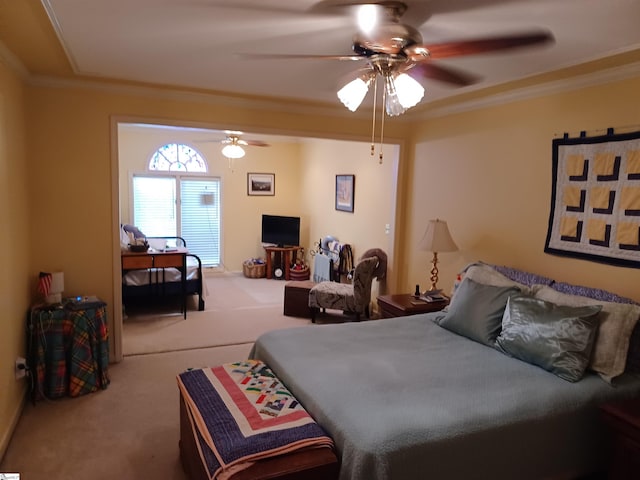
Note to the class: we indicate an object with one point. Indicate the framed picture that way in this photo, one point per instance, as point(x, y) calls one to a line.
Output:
point(345, 185)
point(261, 184)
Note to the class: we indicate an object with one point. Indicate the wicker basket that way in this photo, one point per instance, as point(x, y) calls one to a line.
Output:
point(303, 274)
point(251, 269)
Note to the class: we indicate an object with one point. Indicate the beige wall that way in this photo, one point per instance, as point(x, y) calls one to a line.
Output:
point(488, 174)
point(374, 195)
point(16, 280)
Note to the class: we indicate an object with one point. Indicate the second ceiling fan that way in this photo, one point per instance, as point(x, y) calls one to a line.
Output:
point(233, 143)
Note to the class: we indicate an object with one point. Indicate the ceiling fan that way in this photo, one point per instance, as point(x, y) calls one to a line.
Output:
point(233, 143)
point(395, 52)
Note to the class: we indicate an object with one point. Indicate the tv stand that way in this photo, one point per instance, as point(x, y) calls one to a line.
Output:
point(283, 259)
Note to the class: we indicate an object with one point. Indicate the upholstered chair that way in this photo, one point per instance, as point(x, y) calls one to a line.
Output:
point(351, 298)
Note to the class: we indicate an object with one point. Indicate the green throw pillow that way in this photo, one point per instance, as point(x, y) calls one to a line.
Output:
point(557, 338)
point(477, 311)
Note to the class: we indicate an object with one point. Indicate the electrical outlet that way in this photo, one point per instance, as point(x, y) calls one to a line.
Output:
point(21, 368)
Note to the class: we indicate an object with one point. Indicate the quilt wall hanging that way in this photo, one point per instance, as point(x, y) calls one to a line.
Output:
point(595, 198)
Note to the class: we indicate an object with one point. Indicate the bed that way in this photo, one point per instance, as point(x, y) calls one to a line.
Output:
point(450, 395)
point(154, 282)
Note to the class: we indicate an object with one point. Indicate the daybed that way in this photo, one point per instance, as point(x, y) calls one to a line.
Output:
point(154, 282)
point(493, 387)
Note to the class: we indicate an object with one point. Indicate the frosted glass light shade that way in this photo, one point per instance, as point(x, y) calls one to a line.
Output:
point(353, 93)
point(233, 151)
point(409, 91)
point(392, 102)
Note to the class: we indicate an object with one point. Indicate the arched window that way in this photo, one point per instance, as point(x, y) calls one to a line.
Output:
point(178, 200)
point(177, 157)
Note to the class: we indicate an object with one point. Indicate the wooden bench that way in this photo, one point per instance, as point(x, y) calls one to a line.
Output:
point(312, 464)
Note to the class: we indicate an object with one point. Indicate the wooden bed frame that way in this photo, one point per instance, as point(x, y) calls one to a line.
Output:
point(315, 464)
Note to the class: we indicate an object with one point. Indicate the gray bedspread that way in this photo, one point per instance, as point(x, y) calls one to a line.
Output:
point(404, 398)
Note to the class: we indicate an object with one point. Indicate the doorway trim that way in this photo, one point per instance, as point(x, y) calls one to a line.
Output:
point(116, 321)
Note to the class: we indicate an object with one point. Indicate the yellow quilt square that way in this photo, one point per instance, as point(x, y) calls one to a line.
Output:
point(596, 230)
point(569, 227)
point(575, 165)
point(604, 163)
point(599, 197)
point(628, 233)
point(633, 162)
point(630, 198)
point(571, 196)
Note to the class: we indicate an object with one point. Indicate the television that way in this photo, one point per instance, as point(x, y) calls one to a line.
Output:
point(280, 230)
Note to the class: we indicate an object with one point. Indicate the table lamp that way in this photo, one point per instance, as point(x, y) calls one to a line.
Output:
point(51, 287)
point(436, 239)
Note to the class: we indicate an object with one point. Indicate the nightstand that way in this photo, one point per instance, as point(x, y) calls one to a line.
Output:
point(403, 304)
point(623, 420)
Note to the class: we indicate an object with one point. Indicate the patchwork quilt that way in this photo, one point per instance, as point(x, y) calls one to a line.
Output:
point(240, 413)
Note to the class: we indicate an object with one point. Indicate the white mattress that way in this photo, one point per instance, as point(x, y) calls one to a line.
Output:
point(137, 278)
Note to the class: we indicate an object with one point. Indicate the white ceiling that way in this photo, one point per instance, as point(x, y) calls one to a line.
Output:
point(195, 43)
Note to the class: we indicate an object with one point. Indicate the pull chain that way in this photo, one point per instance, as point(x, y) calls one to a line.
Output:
point(373, 127)
point(384, 102)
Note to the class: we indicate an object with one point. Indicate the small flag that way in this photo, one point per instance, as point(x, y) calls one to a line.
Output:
point(44, 283)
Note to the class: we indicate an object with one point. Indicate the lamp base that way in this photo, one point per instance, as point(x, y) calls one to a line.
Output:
point(434, 273)
point(53, 298)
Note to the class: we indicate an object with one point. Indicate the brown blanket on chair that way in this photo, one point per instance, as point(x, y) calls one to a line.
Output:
point(381, 269)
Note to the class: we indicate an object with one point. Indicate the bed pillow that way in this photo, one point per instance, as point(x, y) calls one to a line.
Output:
point(477, 311)
point(525, 278)
point(487, 275)
point(589, 292)
point(616, 323)
point(557, 338)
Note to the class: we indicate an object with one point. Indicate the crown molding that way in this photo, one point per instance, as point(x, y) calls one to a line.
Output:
point(266, 104)
point(544, 89)
point(8, 58)
point(287, 106)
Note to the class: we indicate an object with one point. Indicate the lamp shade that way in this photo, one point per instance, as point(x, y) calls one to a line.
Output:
point(409, 91)
point(437, 238)
point(353, 93)
point(56, 289)
point(233, 151)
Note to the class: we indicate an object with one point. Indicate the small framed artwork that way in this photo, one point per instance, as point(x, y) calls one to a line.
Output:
point(345, 189)
point(261, 184)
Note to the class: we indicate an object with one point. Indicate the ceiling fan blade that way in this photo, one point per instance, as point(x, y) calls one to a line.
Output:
point(256, 143)
point(444, 74)
point(285, 56)
point(484, 45)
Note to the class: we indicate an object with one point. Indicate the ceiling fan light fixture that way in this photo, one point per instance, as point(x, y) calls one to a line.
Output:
point(353, 93)
point(409, 91)
point(233, 151)
point(392, 100)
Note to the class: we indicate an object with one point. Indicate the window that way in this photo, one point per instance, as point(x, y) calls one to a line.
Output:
point(180, 204)
point(176, 157)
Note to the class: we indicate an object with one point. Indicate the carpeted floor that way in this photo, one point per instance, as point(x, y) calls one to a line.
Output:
point(130, 430)
point(237, 310)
